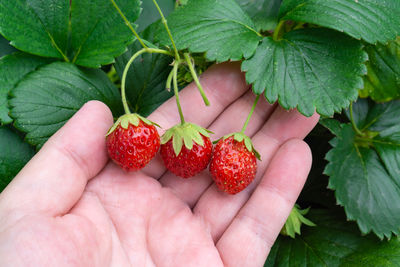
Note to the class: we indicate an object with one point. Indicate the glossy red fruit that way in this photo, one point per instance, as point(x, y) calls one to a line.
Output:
point(133, 148)
point(233, 167)
point(189, 162)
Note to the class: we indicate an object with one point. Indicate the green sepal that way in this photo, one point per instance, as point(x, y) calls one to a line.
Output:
point(127, 119)
point(294, 222)
point(241, 137)
point(147, 121)
point(185, 134)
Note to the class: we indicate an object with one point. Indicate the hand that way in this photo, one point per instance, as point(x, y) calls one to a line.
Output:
point(69, 206)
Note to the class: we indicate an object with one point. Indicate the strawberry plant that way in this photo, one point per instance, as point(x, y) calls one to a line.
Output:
point(338, 58)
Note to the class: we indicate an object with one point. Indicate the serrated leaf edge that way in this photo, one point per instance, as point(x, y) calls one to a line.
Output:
point(318, 110)
point(350, 216)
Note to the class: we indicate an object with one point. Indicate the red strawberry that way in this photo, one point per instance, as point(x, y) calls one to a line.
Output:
point(189, 162)
point(132, 142)
point(233, 165)
point(186, 149)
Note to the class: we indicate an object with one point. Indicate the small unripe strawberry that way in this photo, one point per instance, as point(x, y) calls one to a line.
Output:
point(132, 142)
point(186, 149)
point(233, 164)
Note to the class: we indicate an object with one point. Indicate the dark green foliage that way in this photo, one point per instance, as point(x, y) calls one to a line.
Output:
point(14, 154)
point(12, 69)
point(45, 99)
point(263, 12)
point(333, 243)
point(220, 28)
point(364, 170)
point(5, 47)
point(383, 80)
point(85, 32)
point(145, 80)
point(370, 20)
point(308, 69)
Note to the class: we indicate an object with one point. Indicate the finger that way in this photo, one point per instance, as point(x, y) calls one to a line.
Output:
point(259, 222)
point(53, 181)
point(222, 83)
point(231, 120)
point(218, 208)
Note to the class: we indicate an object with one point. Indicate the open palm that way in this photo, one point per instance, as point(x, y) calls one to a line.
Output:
point(70, 206)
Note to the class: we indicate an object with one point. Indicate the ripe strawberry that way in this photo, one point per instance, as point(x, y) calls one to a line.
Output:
point(186, 149)
point(132, 142)
point(189, 162)
point(233, 165)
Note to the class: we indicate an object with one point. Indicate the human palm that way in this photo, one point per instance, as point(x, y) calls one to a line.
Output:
point(71, 207)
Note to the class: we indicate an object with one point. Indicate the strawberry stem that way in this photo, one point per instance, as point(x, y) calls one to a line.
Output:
point(169, 81)
point(128, 23)
point(278, 30)
point(250, 114)
point(125, 73)
point(196, 79)
point(175, 81)
point(355, 128)
point(164, 22)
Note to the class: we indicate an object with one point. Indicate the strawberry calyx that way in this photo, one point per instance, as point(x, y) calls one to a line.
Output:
point(295, 220)
point(241, 137)
point(127, 119)
point(185, 134)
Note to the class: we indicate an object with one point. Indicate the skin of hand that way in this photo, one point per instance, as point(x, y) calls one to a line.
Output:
point(71, 206)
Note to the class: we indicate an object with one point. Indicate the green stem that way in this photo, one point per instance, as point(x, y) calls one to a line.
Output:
point(353, 122)
point(278, 30)
point(128, 23)
point(125, 73)
point(169, 81)
point(299, 26)
point(175, 80)
point(164, 21)
point(196, 79)
point(251, 113)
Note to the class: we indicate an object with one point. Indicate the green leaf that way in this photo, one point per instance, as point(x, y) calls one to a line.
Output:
point(387, 254)
point(218, 27)
point(364, 170)
point(332, 125)
point(370, 20)
point(12, 69)
point(45, 99)
point(5, 47)
point(329, 244)
point(383, 80)
point(308, 69)
point(14, 154)
point(263, 12)
point(86, 32)
point(150, 13)
point(146, 79)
